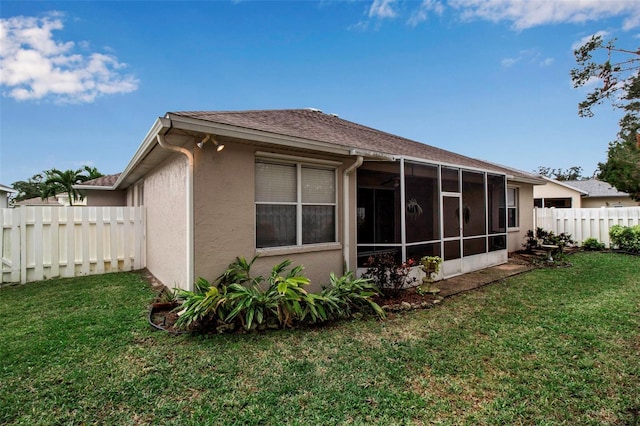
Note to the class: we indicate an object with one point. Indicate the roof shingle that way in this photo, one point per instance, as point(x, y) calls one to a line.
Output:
point(107, 180)
point(596, 188)
point(328, 128)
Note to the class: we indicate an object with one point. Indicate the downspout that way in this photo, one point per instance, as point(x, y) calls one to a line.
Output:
point(345, 205)
point(189, 207)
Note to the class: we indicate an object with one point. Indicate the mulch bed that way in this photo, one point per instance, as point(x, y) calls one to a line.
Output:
point(163, 316)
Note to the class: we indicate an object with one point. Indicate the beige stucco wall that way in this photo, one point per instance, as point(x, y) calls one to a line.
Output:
point(105, 198)
point(224, 210)
point(166, 237)
point(596, 202)
point(516, 236)
point(554, 190)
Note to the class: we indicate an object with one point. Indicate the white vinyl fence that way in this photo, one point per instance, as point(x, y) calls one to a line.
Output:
point(585, 223)
point(41, 242)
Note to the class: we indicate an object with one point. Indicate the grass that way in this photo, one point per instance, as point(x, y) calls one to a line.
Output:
point(553, 346)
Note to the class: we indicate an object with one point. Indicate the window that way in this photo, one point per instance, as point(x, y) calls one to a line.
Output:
point(295, 204)
point(512, 207)
point(561, 203)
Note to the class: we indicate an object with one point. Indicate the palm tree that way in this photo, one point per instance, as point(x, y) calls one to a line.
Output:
point(59, 181)
point(91, 173)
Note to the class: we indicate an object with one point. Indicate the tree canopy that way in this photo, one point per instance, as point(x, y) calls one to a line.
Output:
point(617, 79)
point(54, 181)
point(573, 173)
point(613, 75)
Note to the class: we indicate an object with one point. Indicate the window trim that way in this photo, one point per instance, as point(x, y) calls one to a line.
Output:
point(515, 207)
point(300, 163)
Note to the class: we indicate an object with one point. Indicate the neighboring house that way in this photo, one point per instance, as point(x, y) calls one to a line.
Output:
point(602, 194)
point(96, 192)
point(318, 190)
point(37, 201)
point(5, 192)
point(99, 192)
point(559, 194)
point(590, 193)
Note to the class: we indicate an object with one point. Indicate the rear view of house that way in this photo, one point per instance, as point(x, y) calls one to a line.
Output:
point(321, 191)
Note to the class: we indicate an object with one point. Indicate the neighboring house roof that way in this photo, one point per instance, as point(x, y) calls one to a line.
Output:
point(298, 129)
point(103, 182)
point(596, 188)
point(37, 201)
point(7, 189)
point(566, 184)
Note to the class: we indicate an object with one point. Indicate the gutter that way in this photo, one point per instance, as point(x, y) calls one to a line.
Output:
point(345, 206)
point(189, 205)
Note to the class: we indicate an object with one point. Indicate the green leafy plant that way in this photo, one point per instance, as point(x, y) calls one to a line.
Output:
point(592, 244)
point(166, 296)
point(206, 302)
point(625, 238)
point(390, 276)
point(280, 300)
point(284, 299)
point(345, 295)
point(542, 237)
point(249, 304)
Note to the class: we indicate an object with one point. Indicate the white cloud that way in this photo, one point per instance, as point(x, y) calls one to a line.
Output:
point(522, 14)
point(382, 9)
point(34, 65)
point(531, 56)
point(546, 62)
point(509, 62)
point(585, 39)
point(528, 14)
point(421, 13)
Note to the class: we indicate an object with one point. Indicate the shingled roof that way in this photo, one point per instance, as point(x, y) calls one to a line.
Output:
point(103, 181)
point(315, 125)
point(596, 188)
point(37, 201)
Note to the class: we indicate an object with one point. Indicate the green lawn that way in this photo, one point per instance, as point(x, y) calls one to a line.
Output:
point(553, 346)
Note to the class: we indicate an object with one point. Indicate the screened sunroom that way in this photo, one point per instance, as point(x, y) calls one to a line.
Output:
point(411, 208)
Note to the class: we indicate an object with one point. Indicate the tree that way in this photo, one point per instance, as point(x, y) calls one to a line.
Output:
point(617, 73)
point(92, 172)
point(60, 181)
point(622, 168)
point(618, 81)
point(52, 182)
point(31, 188)
point(573, 173)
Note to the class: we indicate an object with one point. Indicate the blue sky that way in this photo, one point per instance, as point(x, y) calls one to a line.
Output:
point(82, 82)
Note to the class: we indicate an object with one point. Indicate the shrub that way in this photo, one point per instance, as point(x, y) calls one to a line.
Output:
point(626, 238)
point(542, 237)
point(592, 244)
point(204, 304)
point(239, 300)
point(387, 274)
point(345, 295)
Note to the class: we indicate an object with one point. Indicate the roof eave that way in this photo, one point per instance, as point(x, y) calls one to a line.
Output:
point(162, 124)
point(528, 180)
point(95, 187)
point(206, 126)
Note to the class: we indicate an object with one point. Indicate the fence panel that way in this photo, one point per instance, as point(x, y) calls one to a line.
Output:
point(585, 223)
point(41, 242)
